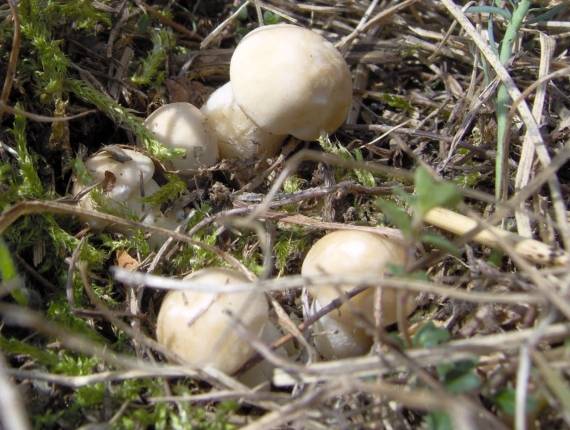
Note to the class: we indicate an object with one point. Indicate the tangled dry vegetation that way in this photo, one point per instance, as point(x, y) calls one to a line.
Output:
point(464, 105)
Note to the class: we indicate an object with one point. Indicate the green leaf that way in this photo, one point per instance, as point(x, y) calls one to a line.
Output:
point(9, 275)
point(400, 272)
point(490, 10)
point(270, 18)
point(506, 401)
point(7, 267)
point(440, 242)
point(431, 193)
point(430, 336)
point(495, 257)
point(463, 383)
point(396, 216)
point(438, 421)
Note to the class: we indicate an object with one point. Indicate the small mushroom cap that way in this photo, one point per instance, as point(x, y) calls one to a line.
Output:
point(131, 180)
point(195, 325)
point(183, 126)
point(346, 252)
point(290, 80)
point(237, 136)
point(128, 174)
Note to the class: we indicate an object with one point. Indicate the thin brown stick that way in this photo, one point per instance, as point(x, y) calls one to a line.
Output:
point(42, 118)
point(13, 61)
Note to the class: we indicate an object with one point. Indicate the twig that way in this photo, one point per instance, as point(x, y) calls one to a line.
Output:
point(43, 118)
point(527, 154)
point(216, 31)
point(289, 282)
point(13, 61)
point(455, 350)
point(13, 416)
point(33, 207)
point(379, 17)
point(523, 371)
point(167, 21)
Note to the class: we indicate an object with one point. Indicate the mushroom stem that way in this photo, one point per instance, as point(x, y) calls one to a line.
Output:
point(531, 249)
point(236, 135)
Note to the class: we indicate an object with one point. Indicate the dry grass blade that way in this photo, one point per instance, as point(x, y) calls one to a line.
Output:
point(527, 155)
point(13, 412)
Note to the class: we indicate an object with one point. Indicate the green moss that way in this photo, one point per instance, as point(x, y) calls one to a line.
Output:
point(122, 117)
point(151, 71)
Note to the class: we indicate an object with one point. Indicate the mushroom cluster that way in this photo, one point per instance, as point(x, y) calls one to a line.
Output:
point(284, 79)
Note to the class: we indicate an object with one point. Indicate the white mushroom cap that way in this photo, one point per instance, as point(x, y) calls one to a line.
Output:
point(290, 80)
point(237, 136)
point(182, 126)
point(128, 174)
point(195, 325)
point(354, 252)
point(125, 188)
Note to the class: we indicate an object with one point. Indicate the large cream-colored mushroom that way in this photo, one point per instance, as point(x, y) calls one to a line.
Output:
point(183, 126)
point(195, 325)
point(290, 80)
point(237, 136)
point(343, 252)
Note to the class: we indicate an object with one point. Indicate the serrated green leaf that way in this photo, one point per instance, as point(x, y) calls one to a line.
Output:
point(440, 242)
point(429, 336)
point(395, 215)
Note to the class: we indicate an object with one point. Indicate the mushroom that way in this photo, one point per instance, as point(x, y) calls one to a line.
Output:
point(183, 126)
point(338, 334)
point(196, 326)
point(290, 80)
point(128, 168)
point(126, 176)
point(237, 136)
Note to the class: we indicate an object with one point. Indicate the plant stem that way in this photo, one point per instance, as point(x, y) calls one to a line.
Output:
point(501, 166)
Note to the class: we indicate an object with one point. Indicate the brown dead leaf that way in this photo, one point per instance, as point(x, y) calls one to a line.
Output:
point(109, 181)
point(125, 261)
